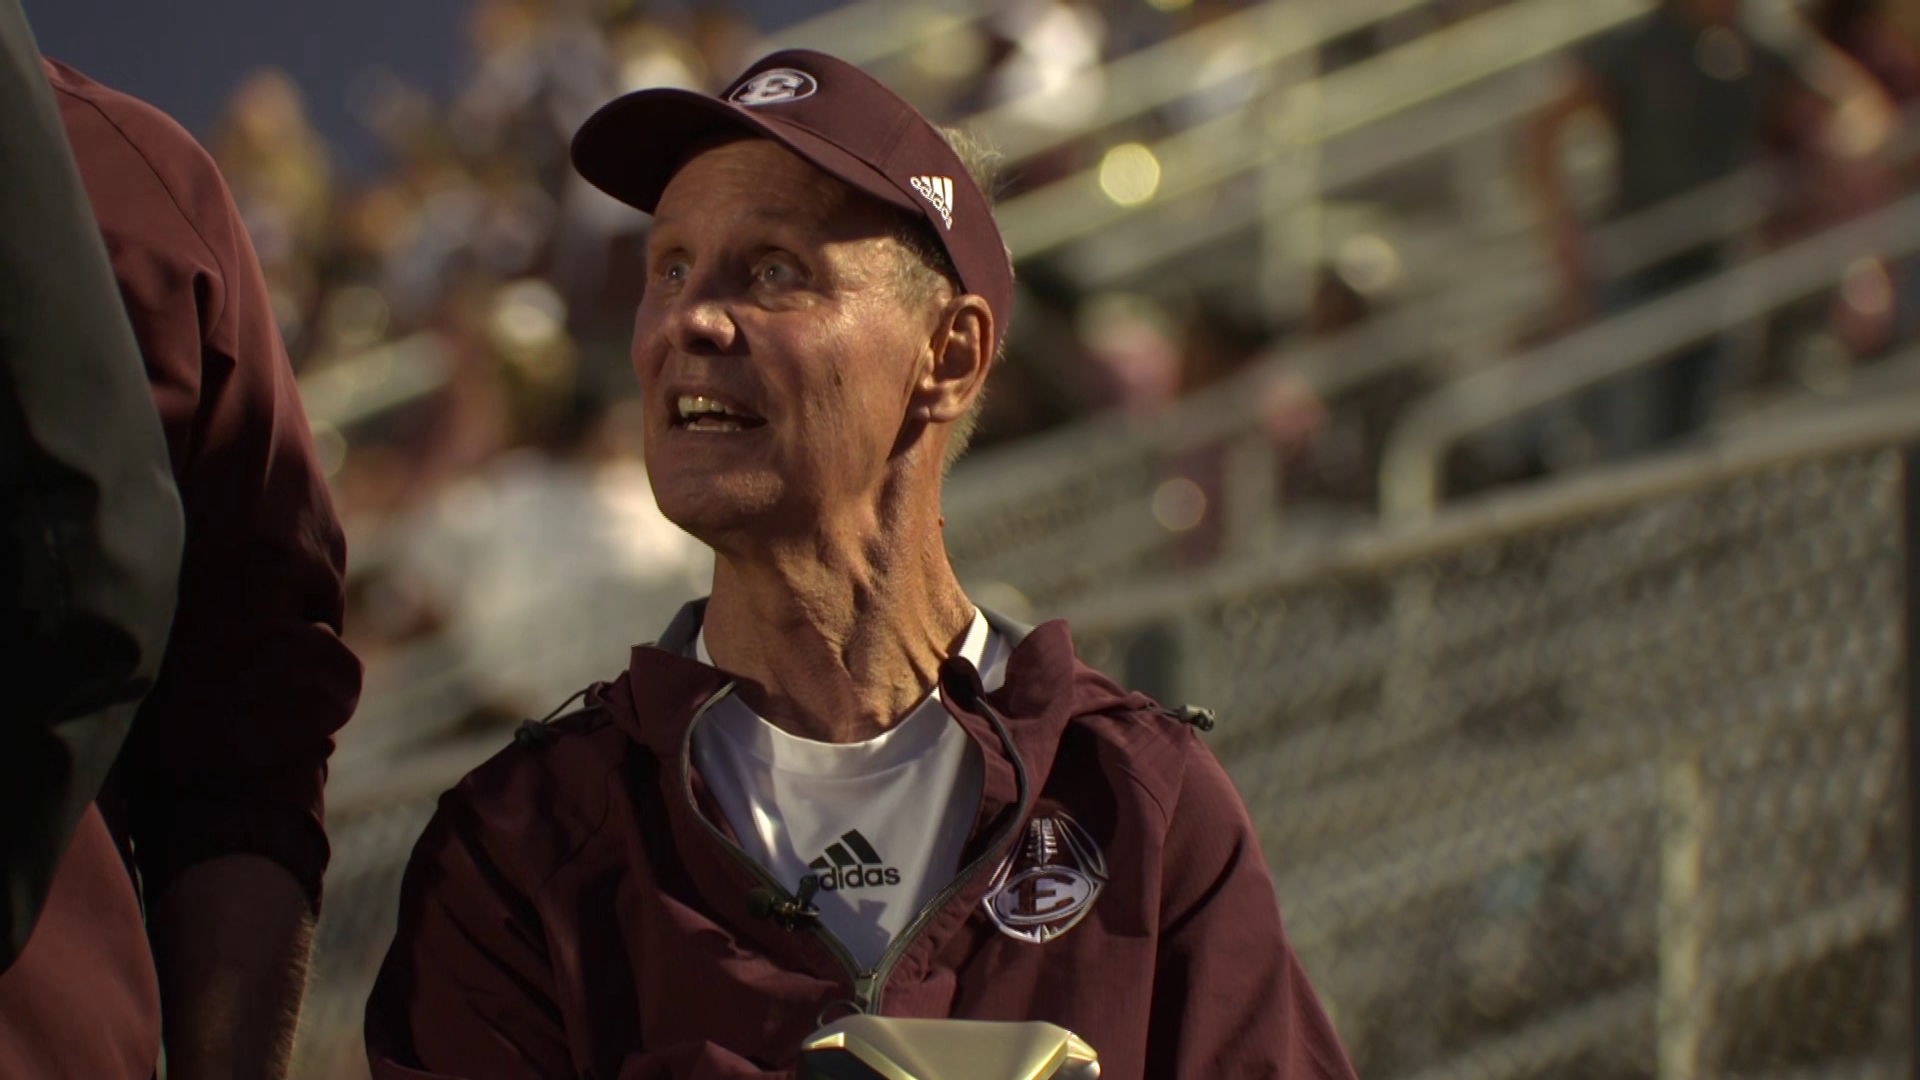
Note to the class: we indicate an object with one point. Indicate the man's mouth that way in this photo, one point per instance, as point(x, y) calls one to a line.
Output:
point(698, 412)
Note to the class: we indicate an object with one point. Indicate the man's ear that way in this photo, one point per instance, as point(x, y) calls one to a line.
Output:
point(962, 347)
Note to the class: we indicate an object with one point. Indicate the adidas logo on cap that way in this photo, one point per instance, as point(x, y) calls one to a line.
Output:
point(937, 190)
point(851, 863)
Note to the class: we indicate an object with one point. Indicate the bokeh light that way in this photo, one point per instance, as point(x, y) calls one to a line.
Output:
point(1129, 174)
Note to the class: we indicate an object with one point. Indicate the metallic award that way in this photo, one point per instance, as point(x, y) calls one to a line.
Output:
point(880, 1048)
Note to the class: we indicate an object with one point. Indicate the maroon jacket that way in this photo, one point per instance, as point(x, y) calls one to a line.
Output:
point(577, 907)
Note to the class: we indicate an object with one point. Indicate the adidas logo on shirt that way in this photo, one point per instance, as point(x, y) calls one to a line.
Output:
point(937, 190)
point(851, 863)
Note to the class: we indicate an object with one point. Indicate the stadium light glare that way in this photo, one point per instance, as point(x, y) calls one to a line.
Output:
point(1129, 174)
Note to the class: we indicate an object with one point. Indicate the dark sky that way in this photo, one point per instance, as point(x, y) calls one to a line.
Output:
point(186, 56)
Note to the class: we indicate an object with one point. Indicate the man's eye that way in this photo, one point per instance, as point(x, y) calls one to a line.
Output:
point(674, 271)
point(776, 272)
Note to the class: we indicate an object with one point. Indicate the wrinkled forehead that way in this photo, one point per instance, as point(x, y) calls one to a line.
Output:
point(751, 180)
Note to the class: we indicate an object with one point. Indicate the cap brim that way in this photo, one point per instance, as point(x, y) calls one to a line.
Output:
point(632, 146)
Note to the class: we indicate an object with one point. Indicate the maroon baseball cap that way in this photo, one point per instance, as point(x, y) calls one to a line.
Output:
point(832, 114)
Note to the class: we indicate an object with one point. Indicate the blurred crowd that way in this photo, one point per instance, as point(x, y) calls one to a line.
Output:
point(461, 318)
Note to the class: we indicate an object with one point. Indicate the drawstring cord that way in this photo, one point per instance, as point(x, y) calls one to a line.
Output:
point(536, 732)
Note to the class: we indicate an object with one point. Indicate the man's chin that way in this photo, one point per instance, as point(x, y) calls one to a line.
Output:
point(714, 508)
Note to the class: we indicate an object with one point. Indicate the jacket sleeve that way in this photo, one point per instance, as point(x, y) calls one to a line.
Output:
point(228, 754)
point(467, 990)
point(1229, 996)
point(91, 542)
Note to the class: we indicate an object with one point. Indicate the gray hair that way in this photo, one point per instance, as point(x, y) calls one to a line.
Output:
point(928, 274)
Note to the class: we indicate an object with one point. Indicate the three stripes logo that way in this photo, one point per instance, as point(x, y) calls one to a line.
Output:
point(851, 863)
point(937, 190)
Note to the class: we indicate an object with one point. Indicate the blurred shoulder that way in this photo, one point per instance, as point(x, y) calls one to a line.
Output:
point(152, 165)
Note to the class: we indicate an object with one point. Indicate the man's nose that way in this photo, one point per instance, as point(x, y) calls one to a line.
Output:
point(700, 323)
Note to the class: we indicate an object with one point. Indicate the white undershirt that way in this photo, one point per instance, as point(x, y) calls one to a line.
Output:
point(893, 811)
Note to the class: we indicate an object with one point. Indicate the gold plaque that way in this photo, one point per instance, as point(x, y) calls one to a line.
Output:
point(882, 1048)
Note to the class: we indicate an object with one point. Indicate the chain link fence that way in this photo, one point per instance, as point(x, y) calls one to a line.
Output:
point(1616, 792)
point(371, 844)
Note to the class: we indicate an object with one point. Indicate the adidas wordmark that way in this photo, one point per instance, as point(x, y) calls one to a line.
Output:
point(852, 863)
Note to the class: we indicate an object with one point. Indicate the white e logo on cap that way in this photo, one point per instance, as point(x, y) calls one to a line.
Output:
point(774, 86)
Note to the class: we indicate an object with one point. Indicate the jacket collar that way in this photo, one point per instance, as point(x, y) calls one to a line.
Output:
point(680, 633)
point(1046, 687)
point(678, 637)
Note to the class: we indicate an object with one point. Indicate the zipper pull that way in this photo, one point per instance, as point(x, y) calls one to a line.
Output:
point(797, 913)
point(866, 986)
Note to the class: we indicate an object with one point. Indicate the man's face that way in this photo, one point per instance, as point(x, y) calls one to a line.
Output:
point(775, 349)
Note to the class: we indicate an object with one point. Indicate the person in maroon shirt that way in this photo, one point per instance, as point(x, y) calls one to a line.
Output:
point(826, 290)
point(215, 798)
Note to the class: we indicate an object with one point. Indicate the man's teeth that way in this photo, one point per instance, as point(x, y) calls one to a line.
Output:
point(696, 406)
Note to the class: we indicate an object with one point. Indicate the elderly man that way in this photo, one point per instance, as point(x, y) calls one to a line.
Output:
point(835, 785)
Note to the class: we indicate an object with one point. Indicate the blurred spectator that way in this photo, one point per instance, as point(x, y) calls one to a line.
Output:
point(561, 534)
point(1132, 357)
point(402, 457)
point(540, 69)
point(1692, 91)
point(1862, 30)
point(645, 54)
point(1882, 303)
point(724, 38)
point(277, 166)
point(1050, 74)
point(1330, 450)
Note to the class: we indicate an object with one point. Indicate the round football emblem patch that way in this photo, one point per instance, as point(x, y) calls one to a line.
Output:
point(1047, 883)
point(774, 86)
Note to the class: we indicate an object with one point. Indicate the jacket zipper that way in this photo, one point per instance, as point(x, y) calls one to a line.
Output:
point(904, 940)
point(867, 983)
point(754, 869)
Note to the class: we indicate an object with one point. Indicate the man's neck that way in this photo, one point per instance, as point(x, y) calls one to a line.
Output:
point(837, 638)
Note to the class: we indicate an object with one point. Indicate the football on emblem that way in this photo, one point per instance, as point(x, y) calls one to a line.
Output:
point(774, 86)
point(1048, 882)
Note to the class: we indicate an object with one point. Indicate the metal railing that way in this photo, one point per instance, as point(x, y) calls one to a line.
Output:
point(1209, 154)
point(1410, 474)
point(1130, 250)
point(1241, 45)
point(1248, 45)
point(867, 32)
point(1245, 45)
